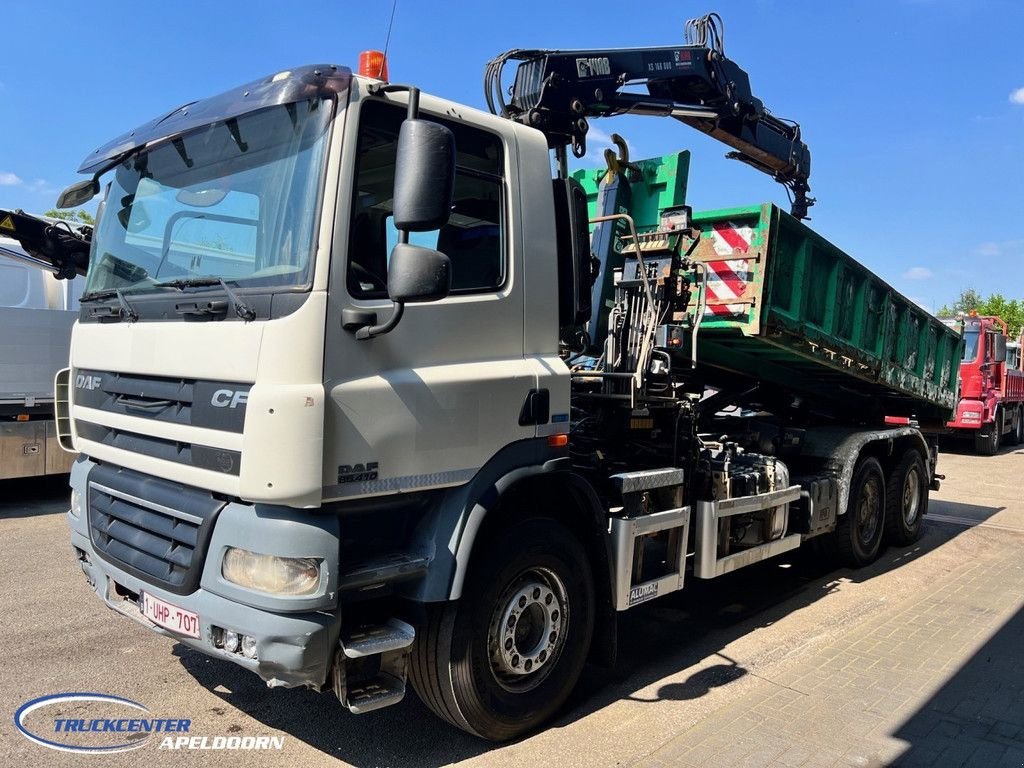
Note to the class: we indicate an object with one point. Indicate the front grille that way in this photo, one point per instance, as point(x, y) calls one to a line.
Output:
point(154, 529)
point(217, 459)
point(195, 402)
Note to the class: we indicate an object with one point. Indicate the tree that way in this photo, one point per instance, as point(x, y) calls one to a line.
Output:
point(79, 215)
point(1010, 310)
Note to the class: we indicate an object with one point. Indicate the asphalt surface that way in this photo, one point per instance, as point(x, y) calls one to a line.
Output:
point(686, 661)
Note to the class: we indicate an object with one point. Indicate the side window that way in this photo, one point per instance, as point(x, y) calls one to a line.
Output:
point(473, 238)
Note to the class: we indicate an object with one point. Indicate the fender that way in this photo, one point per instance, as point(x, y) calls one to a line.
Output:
point(841, 447)
point(449, 529)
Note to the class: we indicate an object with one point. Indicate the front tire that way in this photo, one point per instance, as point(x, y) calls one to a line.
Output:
point(906, 500)
point(504, 658)
point(988, 444)
point(858, 535)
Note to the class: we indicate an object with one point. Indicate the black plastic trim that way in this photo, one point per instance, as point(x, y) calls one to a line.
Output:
point(148, 524)
point(201, 456)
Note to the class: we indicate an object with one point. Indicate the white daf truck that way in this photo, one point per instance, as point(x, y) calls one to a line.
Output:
point(345, 418)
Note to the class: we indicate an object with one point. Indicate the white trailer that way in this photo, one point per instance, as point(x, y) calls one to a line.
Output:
point(36, 315)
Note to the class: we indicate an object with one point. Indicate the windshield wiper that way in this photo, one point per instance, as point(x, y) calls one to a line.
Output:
point(242, 309)
point(124, 309)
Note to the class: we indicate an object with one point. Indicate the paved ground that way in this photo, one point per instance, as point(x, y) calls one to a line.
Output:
point(915, 660)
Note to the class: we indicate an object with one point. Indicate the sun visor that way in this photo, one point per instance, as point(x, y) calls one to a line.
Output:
point(287, 87)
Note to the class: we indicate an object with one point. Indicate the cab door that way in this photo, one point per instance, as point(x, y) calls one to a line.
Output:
point(427, 404)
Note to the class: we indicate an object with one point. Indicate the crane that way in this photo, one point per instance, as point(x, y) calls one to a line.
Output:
point(558, 92)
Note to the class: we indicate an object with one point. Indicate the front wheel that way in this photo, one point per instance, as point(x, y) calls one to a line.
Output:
point(506, 656)
point(987, 444)
point(858, 535)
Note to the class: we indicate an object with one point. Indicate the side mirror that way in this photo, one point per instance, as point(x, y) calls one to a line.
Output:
point(78, 194)
point(999, 348)
point(424, 176)
point(418, 274)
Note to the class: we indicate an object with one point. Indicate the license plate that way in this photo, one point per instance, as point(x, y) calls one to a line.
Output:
point(169, 616)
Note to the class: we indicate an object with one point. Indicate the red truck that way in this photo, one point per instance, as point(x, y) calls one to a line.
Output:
point(991, 404)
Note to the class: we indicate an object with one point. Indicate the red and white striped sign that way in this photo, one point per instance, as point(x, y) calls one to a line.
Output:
point(728, 279)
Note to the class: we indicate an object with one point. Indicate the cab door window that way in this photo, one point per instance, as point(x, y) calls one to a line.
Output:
point(474, 237)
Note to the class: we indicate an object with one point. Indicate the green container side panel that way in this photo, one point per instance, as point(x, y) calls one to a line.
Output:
point(656, 184)
point(788, 308)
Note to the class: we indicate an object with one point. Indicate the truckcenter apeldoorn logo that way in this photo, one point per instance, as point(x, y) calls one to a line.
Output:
point(98, 723)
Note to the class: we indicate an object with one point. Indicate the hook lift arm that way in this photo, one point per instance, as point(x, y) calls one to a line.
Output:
point(558, 91)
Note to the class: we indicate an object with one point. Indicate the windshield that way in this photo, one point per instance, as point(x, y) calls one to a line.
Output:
point(235, 199)
point(970, 345)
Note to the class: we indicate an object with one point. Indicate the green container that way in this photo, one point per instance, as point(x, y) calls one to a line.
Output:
point(789, 309)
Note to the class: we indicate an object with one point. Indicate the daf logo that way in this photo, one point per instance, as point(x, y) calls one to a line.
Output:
point(227, 398)
point(82, 381)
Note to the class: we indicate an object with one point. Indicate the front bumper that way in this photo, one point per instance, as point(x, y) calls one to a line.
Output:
point(295, 645)
point(971, 415)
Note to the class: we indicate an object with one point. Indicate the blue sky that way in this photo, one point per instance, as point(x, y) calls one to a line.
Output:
point(911, 108)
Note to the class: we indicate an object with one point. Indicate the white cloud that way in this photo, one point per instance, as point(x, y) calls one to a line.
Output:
point(918, 273)
point(43, 187)
point(991, 248)
point(8, 179)
point(1017, 96)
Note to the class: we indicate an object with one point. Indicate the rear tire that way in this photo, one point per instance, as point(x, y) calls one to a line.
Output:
point(504, 658)
point(1016, 436)
point(858, 534)
point(906, 500)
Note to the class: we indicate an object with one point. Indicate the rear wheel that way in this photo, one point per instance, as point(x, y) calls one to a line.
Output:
point(906, 499)
point(504, 658)
point(1016, 436)
point(858, 535)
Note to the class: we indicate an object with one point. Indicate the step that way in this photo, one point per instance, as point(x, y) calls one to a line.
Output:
point(383, 570)
point(382, 691)
point(372, 640)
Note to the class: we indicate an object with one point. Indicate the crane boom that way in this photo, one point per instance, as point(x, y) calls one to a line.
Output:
point(557, 92)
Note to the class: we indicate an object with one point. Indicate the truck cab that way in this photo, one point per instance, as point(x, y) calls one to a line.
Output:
point(991, 406)
point(253, 471)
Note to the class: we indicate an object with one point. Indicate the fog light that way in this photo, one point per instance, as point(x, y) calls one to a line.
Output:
point(76, 502)
point(230, 640)
point(269, 573)
point(249, 646)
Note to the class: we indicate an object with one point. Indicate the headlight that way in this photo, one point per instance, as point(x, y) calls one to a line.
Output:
point(76, 502)
point(268, 573)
